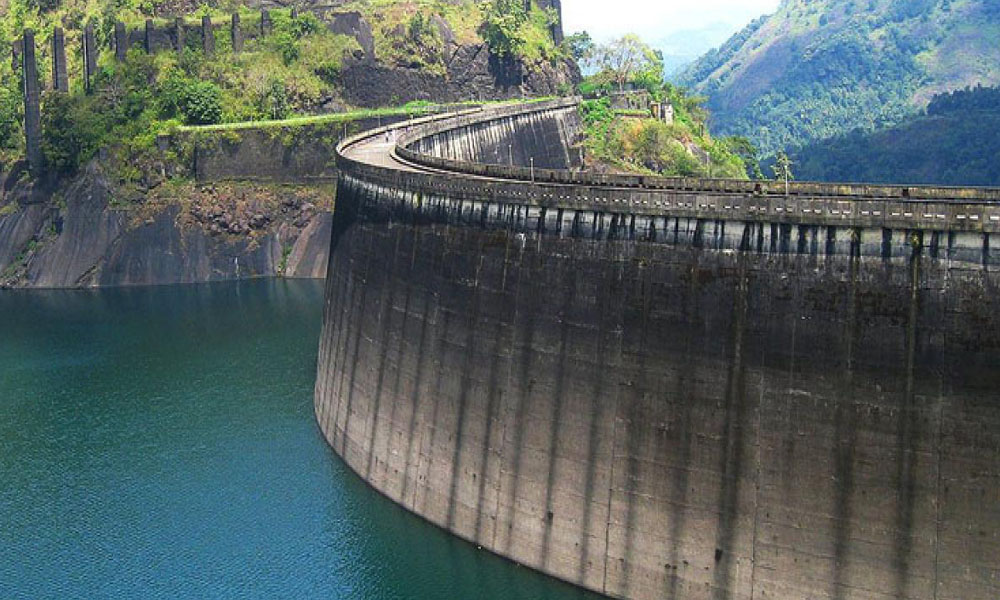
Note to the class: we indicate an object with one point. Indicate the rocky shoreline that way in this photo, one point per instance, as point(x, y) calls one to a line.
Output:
point(83, 235)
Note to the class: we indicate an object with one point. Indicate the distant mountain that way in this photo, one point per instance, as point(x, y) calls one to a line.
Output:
point(681, 48)
point(954, 143)
point(821, 68)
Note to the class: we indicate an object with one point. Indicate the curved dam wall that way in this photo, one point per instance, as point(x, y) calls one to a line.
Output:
point(676, 393)
point(545, 138)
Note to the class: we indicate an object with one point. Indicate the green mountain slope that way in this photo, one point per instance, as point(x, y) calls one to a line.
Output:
point(954, 143)
point(820, 68)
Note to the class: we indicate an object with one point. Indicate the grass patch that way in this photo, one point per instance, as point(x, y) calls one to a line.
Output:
point(418, 108)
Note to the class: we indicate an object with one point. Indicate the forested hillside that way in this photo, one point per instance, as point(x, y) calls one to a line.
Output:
point(821, 68)
point(954, 143)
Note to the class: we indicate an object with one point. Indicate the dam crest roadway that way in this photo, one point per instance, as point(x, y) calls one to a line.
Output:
point(666, 388)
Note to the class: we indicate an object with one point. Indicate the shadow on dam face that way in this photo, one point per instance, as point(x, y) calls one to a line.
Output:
point(675, 407)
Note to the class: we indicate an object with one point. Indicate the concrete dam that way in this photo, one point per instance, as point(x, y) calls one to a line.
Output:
point(667, 388)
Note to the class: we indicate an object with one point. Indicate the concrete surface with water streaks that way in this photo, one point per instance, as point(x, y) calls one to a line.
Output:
point(624, 387)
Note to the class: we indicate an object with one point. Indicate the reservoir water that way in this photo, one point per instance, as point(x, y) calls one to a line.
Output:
point(160, 443)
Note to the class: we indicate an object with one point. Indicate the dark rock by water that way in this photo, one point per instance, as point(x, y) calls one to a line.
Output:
point(84, 236)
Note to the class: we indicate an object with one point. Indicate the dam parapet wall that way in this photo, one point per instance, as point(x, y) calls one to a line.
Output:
point(545, 137)
point(671, 389)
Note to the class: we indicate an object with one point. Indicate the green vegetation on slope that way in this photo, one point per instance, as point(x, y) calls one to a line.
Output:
point(294, 71)
point(622, 142)
point(632, 141)
point(954, 143)
point(820, 68)
point(291, 71)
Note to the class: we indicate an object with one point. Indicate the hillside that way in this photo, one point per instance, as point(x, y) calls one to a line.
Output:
point(953, 143)
point(630, 141)
point(821, 68)
point(119, 195)
point(360, 53)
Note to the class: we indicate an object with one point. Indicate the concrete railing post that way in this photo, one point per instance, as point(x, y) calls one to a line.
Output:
point(16, 49)
point(121, 41)
point(89, 57)
point(60, 78)
point(557, 27)
point(148, 40)
point(32, 107)
point(179, 34)
point(265, 23)
point(207, 37)
point(236, 33)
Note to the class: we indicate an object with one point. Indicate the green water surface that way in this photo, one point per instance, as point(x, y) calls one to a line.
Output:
point(160, 443)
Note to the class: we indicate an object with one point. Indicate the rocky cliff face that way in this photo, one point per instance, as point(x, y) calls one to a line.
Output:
point(472, 74)
point(82, 236)
point(464, 68)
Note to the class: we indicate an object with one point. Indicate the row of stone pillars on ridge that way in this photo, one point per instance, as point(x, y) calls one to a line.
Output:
point(23, 53)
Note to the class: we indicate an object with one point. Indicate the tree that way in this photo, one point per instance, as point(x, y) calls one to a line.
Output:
point(783, 169)
point(744, 148)
point(580, 46)
point(503, 21)
point(628, 58)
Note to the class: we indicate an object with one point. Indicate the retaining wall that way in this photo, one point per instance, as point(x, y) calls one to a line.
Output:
point(290, 153)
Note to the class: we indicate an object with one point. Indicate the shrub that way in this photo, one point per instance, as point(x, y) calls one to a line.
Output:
point(288, 46)
point(170, 96)
point(10, 116)
point(502, 23)
point(305, 24)
point(276, 100)
point(71, 133)
point(202, 103)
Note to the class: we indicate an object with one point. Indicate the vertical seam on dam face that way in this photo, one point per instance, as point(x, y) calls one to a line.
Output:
point(907, 432)
point(621, 387)
point(384, 311)
point(615, 281)
point(555, 419)
point(732, 440)
point(845, 440)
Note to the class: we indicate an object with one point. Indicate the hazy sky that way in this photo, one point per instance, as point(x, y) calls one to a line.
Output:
point(655, 19)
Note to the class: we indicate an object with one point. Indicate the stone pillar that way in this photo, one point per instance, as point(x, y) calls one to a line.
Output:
point(121, 41)
point(236, 33)
point(60, 79)
point(89, 57)
point(179, 34)
point(295, 13)
point(148, 41)
point(557, 27)
point(265, 23)
point(16, 49)
point(32, 107)
point(207, 37)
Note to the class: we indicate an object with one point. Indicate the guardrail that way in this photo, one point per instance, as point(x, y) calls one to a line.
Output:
point(845, 205)
point(691, 184)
